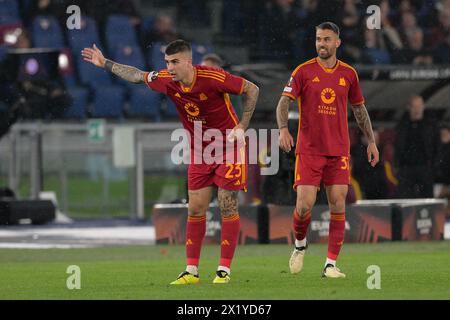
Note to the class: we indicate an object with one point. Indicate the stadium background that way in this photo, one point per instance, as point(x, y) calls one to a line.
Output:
point(74, 144)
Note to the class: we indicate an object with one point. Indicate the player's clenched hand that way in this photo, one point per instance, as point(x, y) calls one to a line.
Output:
point(372, 154)
point(237, 133)
point(94, 56)
point(285, 140)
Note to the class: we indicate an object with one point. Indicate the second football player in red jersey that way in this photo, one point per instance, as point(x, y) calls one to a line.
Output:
point(201, 98)
point(322, 87)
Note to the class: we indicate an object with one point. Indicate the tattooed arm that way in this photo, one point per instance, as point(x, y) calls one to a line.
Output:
point(128, 73)
point(363, 120)
point(251, 92)
point(283, 112)
point(285, 139)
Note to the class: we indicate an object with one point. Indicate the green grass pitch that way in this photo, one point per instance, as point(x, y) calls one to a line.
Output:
point(409, 270)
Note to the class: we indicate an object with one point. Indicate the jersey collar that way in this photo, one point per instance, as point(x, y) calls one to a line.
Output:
point(328, 70)
point(188, 89)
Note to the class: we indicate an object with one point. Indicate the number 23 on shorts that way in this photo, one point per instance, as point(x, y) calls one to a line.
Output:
point(232, 167)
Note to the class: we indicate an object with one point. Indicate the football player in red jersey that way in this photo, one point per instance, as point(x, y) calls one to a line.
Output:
point(201, 96)
point(322, 88)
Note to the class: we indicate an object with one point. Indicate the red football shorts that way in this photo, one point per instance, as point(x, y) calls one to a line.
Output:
point(311, 169)
point(227, 176)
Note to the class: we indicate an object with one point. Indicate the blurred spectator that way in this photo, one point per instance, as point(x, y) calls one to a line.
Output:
point(415, 151)
point(374, 48)
point(163, 31)
point(101, 9)
point(56, 8)
point(442, 28)
point(213, 60)
point(349, 18)
point(408, 25)
point(278, 29)
point(373, 181)
point(442, 52)
point(415, 53)
point(443, 163)
point(390, 34)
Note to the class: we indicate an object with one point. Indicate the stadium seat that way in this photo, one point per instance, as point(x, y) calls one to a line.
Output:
point(144, 103)
point(198, 51)
point(130, 55)
point(108, 102)
point(9, 11)
point(376, 56)
point(155, 56)
point(84, 37)
point(119, 32)
point(170, 110)
point(47, 32)
point(91, 75)
point(77, 110)
point(147, 24)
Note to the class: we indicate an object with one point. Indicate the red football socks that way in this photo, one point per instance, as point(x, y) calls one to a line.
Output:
point(195, 232)
point(336, 234)
point(301, 224)
point(229, 239)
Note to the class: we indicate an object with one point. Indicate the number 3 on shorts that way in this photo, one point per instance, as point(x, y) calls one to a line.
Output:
point(231, 167)
point(346, 165)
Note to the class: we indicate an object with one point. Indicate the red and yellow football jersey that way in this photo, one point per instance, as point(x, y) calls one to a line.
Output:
point(322, 95)
point(206, 100)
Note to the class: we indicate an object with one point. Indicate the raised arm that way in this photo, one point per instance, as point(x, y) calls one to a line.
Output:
point(285, 139)
point(363, 120)
point(128, 73)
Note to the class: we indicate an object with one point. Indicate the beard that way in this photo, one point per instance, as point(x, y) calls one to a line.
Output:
point(324, 55)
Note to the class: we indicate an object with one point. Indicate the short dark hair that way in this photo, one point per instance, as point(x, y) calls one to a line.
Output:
point(178, 46)
point(328, 25)
point(214, 58)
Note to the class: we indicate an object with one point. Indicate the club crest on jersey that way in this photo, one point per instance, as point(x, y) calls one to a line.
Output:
point(203, 97)
point(316, 79)
point(342, 82)
point(192, 109)
point(152, 76)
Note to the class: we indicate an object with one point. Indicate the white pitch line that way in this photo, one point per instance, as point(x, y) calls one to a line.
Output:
point(14, 245)
point(146, 233)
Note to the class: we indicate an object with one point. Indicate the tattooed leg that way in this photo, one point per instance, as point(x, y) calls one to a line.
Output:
point(228, 202)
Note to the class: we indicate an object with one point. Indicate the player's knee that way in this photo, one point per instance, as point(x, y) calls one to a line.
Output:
point(337, 205)
point(303, 208)
point(197, 210)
